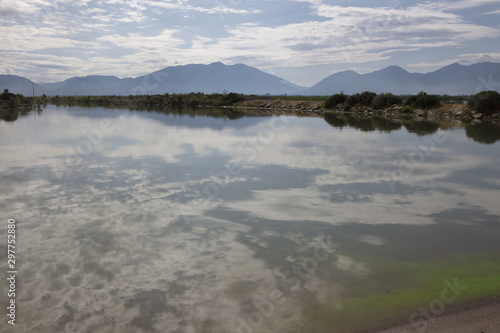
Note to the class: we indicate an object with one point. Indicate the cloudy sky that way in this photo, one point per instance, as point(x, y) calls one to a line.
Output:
point(302, 41)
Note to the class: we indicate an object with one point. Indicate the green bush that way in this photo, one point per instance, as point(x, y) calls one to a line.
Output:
point(422, 101)
point(383, 101)
point(233, 98)
point(485, 102)
point(335, 100)
point(364, 99)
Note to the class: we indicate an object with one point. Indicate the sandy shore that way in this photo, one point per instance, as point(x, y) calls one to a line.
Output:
point(483, 319)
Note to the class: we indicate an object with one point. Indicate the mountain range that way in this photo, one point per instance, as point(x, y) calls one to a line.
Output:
point(213, 78)
point(454, 79)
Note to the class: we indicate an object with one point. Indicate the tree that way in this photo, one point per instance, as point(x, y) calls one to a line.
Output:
point(7, 96)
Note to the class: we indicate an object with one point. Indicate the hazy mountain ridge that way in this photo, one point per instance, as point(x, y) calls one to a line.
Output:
point(454, 79)
point(213, 78)
point(21, 85)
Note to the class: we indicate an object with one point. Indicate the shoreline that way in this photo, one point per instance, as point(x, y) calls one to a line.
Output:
point(455, 112)
point(446, 112)
point(480, 316)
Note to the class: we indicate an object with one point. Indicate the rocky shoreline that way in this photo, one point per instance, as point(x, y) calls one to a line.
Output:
point(311, 108)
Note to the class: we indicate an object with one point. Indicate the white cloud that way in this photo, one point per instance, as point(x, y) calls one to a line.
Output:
point(472, 58)
point(21, 7)
point(42, 67)
point(462, 4)
point(91, 11)
point(465, 59)
point(218, 7)
point(23, 38)
point(165, 40)
point(353, 34)
point(337, 35)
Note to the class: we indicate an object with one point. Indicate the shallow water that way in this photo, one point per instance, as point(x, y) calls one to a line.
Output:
point(131, 221)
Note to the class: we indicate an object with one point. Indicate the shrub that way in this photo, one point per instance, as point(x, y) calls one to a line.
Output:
point(335, 100)
point(485, 102)
point(383, 101)
point(422, 101)
point(233, 98)
point(364, 99)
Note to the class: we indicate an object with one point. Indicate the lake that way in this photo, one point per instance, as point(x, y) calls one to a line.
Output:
point(215, 221)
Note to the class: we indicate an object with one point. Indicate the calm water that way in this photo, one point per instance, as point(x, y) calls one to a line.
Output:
point(133, 221)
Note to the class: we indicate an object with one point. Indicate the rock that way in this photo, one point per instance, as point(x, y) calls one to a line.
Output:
point(477, 115)
point(419, 112)
point(476, 121)
point(496, 115)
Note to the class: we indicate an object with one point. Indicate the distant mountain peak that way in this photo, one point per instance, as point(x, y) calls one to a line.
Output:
point(349, 71)
point(393, 69)
point(454, 65)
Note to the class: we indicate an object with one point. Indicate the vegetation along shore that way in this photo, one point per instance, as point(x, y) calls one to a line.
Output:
point(484, 106)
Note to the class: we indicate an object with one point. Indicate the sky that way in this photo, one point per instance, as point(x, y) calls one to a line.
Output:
point(300, 41)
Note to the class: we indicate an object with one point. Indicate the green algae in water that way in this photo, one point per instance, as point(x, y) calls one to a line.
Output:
point(419, 286)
